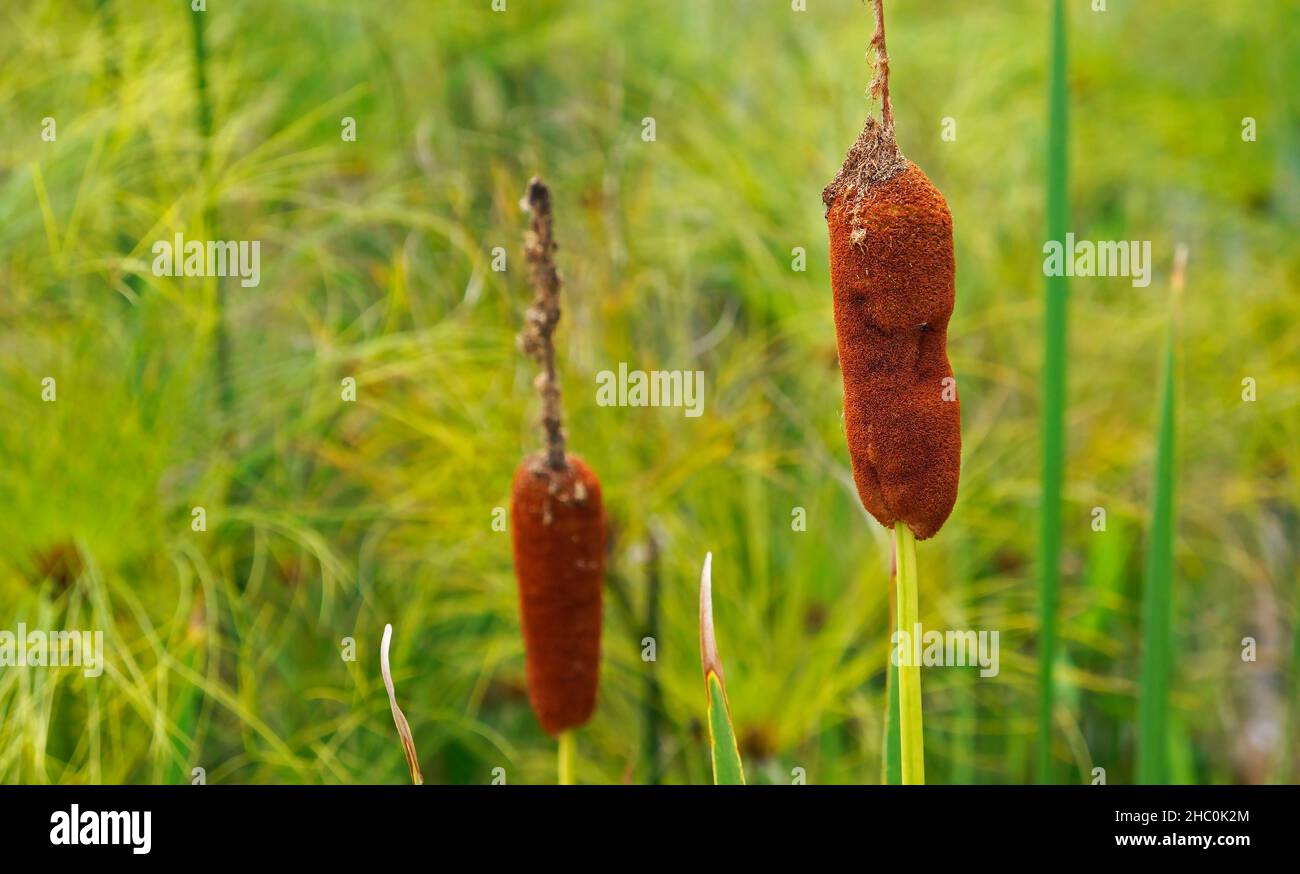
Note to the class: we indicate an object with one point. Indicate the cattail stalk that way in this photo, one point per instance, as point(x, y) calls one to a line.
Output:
point(911, 740)
point(893, 278)
point(564, 765)
point(557, 524)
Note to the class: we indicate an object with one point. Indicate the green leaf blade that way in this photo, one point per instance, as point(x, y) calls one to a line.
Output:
point(1153, 752)
point(727, 767)
point(1053, 391)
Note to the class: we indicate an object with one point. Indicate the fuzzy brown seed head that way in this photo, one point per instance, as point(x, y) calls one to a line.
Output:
point(892, 274)
point(558, 535)
point(873, 158)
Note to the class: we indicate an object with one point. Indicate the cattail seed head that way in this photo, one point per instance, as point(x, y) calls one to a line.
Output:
point(558, 534)
point(892, 275)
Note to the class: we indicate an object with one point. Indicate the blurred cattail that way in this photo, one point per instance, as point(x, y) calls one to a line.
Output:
point(557, 520)
point(891, 260)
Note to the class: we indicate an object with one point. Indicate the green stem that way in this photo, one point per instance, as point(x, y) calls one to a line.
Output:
point(891, 770)
point(965, 751)
point(1289, 771)
point(203, 110)
point(566, 758)
point(652, 704)
point(911, 737)
point(1055, 338)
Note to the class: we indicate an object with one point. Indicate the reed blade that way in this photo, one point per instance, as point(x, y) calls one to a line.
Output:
point(1053, 400)
point(1153, 757)
point(723, 749)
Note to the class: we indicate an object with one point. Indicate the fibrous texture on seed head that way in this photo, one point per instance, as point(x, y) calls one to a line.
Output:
point(537, 338)
point(892, 274)
point(558, 533)
point(874, 157)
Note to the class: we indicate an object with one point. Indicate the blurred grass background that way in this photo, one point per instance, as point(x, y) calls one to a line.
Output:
point(327, 519)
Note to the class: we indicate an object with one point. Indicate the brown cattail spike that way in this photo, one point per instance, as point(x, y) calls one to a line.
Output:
point(536, 340)
point(557, 519)
point(892, 274)
point(558, 533)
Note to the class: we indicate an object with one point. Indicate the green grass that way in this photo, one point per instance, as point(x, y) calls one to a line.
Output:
point(327, 519)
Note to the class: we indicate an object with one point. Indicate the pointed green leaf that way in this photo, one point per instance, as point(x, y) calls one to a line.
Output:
point(1153, 751)
point(727, 768)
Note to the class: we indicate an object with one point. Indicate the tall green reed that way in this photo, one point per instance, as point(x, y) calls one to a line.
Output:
point(1157, 634)
point(891, 762)
point(203, 118)
point(1289, 767)
point(1053, 397)
point(653, 703)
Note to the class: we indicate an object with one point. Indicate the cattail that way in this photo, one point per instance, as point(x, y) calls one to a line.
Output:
point(891, 262)
point(557, 520)
point(892, 277)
